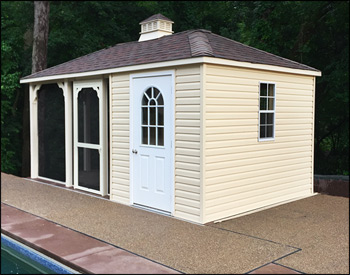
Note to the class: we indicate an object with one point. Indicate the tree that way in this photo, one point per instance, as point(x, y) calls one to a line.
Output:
point(40, 35)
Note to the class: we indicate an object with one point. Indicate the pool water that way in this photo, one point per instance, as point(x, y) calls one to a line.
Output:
point(13, 262)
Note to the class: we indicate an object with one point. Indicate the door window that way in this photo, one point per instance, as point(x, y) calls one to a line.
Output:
point(152, 121)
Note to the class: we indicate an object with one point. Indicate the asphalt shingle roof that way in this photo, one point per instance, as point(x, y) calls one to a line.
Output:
point(182, 45)
point(156, 16)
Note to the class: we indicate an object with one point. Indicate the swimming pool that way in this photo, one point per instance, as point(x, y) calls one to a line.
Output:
point(17, 258)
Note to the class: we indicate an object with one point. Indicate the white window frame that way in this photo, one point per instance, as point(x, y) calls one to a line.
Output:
point(267, 111)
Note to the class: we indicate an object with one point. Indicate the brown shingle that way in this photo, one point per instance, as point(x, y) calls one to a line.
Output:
point(156, 16)
point(187, 44)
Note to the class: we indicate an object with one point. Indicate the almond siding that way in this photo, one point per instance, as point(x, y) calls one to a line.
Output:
point(187, 141)
point(241, 173)
point(120, 135)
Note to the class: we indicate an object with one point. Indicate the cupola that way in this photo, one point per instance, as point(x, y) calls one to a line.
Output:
point(155, 26)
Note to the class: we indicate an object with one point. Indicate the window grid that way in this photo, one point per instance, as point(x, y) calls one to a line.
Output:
point(152, 118)
point(267, 101)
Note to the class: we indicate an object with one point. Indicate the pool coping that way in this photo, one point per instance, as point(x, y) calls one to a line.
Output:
point(74, 249)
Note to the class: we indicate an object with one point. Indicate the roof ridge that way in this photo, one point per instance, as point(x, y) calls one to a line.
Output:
point(256, 49)
point(199, 43)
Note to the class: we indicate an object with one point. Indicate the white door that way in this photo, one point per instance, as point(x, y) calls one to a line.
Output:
point(152, 141)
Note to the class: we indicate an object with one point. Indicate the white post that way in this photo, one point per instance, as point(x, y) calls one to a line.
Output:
point(103, 138)
point(68, 122)
point(33, 121)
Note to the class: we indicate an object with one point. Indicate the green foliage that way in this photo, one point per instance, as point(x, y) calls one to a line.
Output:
point(10, 125)
point(315, 33)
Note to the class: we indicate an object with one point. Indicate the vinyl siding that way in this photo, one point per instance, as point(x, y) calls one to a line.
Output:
point(187, 141)
point(242, 174)
point(120, 135)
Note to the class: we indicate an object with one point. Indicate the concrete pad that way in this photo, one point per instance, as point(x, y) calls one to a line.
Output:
point(184, 246)
point(318, 225)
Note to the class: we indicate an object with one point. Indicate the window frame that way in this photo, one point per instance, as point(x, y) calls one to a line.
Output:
point(156, 124)
point(267, 111)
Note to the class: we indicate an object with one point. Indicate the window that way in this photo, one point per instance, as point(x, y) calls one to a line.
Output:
point(267, 111)
point(152, 121)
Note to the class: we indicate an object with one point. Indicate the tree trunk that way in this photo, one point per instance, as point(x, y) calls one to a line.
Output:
point(39, 62)
point(40, 35)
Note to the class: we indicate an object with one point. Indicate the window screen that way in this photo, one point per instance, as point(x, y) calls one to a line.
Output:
point(51, 133)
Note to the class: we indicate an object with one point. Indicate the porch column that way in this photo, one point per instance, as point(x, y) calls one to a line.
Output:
point(68, 121)
point(33, 121)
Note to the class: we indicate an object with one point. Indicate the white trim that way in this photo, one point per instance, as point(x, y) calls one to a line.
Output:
point(34, 138)
point(68, 118)
point(313, 136)
point(131, 131)
point(110, 137)
point(89, 189)
point(267, 111)
point(186, 61)
point(89, 146)
point(221, 61)
point(48, 179)
point(99, 87)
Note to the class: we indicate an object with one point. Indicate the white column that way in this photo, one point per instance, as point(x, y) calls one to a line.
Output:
point(33, 122)
point(103, 138)
point(68, 121)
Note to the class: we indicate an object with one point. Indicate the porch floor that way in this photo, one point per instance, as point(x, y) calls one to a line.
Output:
point(100, 236)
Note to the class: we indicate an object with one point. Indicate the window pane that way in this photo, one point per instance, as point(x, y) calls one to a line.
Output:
point(144, 115)
point(262, 131)
point(269, 131)
point(144, 101)
point(152, 102)
point(152, 136)
point(263, 103)
point(156, 92)
point(160, 115)
point(160, 100)
point(152, 115)
point(89, 168)
point(149, 93)
point(262, 118)
point(271, 89)
point(161, 136)
point(270, 118)
point(271, 103)
point(145, 135)
point(263, 89)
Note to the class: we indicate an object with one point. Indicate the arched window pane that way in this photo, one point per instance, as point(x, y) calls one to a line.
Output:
point(144, 101)
point(160, 100)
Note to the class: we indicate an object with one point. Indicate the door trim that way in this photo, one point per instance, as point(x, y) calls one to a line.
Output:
point(99, 86)
point(170, 73)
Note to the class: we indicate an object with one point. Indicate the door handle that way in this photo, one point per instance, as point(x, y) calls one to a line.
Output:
point(134, 151)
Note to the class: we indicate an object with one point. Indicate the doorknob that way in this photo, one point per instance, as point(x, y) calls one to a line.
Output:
point(134, 151)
